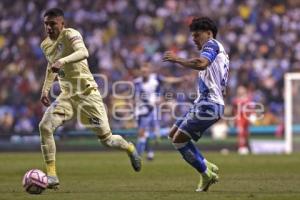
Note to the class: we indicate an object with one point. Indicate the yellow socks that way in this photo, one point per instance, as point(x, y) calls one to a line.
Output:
point(51, 168)
point(131, 148)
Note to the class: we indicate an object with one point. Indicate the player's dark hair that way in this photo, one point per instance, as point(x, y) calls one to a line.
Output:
point(204, 24)
point(54, 12)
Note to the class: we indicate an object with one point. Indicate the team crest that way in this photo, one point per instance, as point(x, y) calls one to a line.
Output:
point(60, 47)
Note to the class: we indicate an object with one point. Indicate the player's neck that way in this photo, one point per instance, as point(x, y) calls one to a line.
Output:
point(145, 79)
point(209, 38)
point(54, 37)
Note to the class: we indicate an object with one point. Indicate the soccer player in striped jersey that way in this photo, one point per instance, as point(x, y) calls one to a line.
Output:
point(213, 67)
point(67, 55)
point(148, 88)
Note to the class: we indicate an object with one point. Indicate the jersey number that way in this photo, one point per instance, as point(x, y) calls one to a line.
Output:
point(225, 78)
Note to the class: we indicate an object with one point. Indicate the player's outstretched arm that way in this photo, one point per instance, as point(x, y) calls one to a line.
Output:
point(173, 80)
point(194, 63)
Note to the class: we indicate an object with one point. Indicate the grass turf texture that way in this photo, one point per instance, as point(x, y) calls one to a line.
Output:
point(108, 175)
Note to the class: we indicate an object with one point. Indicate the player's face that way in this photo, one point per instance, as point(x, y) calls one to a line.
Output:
point(53, 26)
point(145, 71)
point(200, 37)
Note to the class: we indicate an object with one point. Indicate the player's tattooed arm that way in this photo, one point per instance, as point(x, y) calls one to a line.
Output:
point(194, 63)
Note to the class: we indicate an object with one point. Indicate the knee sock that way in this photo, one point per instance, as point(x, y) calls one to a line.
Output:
point(48, 150)
point(141, 145)
point(148, 146)
point(149, 149)
point(191, 155)
point(51, 168)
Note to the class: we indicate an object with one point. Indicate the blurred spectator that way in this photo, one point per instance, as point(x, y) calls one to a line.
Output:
point(262, 38)
point(242, 119)
point(6, 123)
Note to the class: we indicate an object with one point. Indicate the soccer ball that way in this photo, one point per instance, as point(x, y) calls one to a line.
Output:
point(35, 181)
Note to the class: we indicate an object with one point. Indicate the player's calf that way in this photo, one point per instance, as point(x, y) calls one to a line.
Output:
point(115, 141)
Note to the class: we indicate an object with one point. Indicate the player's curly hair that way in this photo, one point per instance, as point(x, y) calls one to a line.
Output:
point(54, 12)
point(205, 24)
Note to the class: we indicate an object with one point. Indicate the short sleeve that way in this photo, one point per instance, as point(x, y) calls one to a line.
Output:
point(74, 37)
point(210, 50)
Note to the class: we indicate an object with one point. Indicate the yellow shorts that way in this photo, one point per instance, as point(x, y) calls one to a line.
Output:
point(87, 109)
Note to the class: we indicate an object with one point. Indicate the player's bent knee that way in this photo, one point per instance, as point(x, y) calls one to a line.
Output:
point(44, 128)
point(172, 132)
point(107, 142)
point(46, 132)
point(180, 138)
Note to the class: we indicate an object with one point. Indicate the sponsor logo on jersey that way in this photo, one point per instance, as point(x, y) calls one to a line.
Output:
point(208, 48)
point(60, 47)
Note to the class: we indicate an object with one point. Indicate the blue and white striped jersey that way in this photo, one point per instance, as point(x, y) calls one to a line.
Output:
point(147, 93)
point(213, 81)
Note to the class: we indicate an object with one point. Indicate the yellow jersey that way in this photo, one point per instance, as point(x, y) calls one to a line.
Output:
point(74, 76)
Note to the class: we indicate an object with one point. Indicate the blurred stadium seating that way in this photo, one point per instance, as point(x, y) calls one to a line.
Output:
point(262, 38)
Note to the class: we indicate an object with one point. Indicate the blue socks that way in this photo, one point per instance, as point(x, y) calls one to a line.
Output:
point(141, 145)
point(192, 156)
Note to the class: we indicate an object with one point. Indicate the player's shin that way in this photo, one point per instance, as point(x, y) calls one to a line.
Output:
point(149, 150)
point(48, 150)
point(141, 145)
point(191, 155)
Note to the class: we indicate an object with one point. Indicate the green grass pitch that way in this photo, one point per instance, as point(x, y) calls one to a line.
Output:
point(108, 176)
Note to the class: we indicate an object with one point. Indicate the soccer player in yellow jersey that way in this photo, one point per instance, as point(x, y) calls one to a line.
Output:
point(66, 54)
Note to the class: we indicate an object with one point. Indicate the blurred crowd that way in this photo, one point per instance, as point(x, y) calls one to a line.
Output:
point(261, 37)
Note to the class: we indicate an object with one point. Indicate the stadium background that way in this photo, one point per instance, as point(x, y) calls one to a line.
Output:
point(261, 37)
